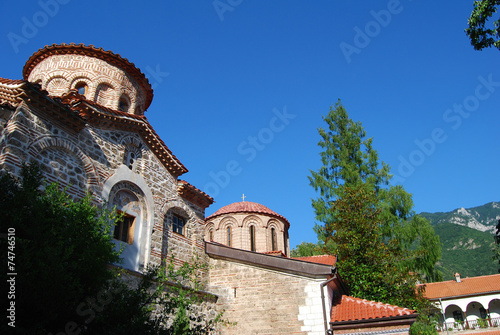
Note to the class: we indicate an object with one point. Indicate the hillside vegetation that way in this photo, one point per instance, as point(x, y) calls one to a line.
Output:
point(466, 237)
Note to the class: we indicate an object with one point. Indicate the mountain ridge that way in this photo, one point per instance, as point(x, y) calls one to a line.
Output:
point(473, 217)
point(467, 239)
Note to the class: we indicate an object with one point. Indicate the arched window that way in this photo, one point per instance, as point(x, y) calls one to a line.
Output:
point(273, 239)
point(211, 235)
point(229, 236)
point(81, 88)
point(132, 155)
point(104, 95)
point(252, 238)
point(123, 103)
point(124, 228)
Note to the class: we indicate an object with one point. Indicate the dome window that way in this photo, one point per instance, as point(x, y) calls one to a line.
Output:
point(123, 104)
point(81, 88)
point(252, 238)
point(273, 239)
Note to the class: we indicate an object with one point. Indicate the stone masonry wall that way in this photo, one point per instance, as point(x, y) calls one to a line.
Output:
point(264, 301)
point(86, 160)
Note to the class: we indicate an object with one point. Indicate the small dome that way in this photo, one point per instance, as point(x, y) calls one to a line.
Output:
point(246, 207)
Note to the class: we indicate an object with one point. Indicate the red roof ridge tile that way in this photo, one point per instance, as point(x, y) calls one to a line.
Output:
point(194, 194)
point(320, 259)
point(7, 81)
point(246, 207)
point(352, 308)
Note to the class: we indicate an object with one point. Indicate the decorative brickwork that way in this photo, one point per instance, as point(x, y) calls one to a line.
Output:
point(107, 77)
point(79, 113)
point(233, 224)
point(102, 155)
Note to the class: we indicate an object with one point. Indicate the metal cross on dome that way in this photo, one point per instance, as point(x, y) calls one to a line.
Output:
point(243, 197)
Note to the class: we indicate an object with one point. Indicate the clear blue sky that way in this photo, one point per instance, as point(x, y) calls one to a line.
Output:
point(240, 88)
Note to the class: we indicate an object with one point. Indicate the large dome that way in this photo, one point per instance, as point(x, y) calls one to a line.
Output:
point(246, 207)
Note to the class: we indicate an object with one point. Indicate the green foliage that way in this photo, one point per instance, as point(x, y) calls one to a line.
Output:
point(465, 250)
point(371, 267)
point(306, 249)
point(313, 249)
point(64, 282)
point(425, 324)
point(482, 33)
point(382, 232)
point(165, 301)
point(62, 249)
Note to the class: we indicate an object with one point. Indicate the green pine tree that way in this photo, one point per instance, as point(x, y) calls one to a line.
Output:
point(352, 179)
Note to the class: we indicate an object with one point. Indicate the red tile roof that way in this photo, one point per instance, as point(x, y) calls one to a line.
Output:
point(95, 113)
point(91, 51)
point(11, 81)
point(246, 207)
point(467, 286)
point(278, 253)
point(9, 92)
point(193, 194)
point(320, 259)
point(353, 309)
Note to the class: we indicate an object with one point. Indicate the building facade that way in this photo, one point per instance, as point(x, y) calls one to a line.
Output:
point(79, 112)
point(466, 303)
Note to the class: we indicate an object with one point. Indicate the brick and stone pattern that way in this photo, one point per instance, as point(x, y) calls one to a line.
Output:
point(105, 83)
point(87, 160)
point(264, 301)
point(240, 231)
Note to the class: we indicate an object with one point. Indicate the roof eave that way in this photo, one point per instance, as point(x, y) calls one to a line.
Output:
point(288, 265)
point(407, 319)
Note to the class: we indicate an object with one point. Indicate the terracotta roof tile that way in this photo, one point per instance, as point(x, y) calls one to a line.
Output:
point(193, 194)
point(467, 286)
point(320, 259)
point(94, 112)
point(278, 253)
point(352, 309)
point(246, 207)
point(10, 91)
point(11, 81)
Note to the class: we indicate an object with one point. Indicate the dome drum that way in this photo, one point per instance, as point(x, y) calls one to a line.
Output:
point(248, 226)
point(101, 76)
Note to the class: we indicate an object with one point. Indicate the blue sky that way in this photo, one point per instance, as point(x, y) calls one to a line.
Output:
point(240, 88)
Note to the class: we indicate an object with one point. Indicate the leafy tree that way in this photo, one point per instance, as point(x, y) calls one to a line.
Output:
point(306, 249)
point(61, 253)
point(368, 263)
point(390, 228)
point(480, 35)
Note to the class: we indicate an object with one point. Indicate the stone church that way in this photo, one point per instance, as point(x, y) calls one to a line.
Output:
point(79, 111)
